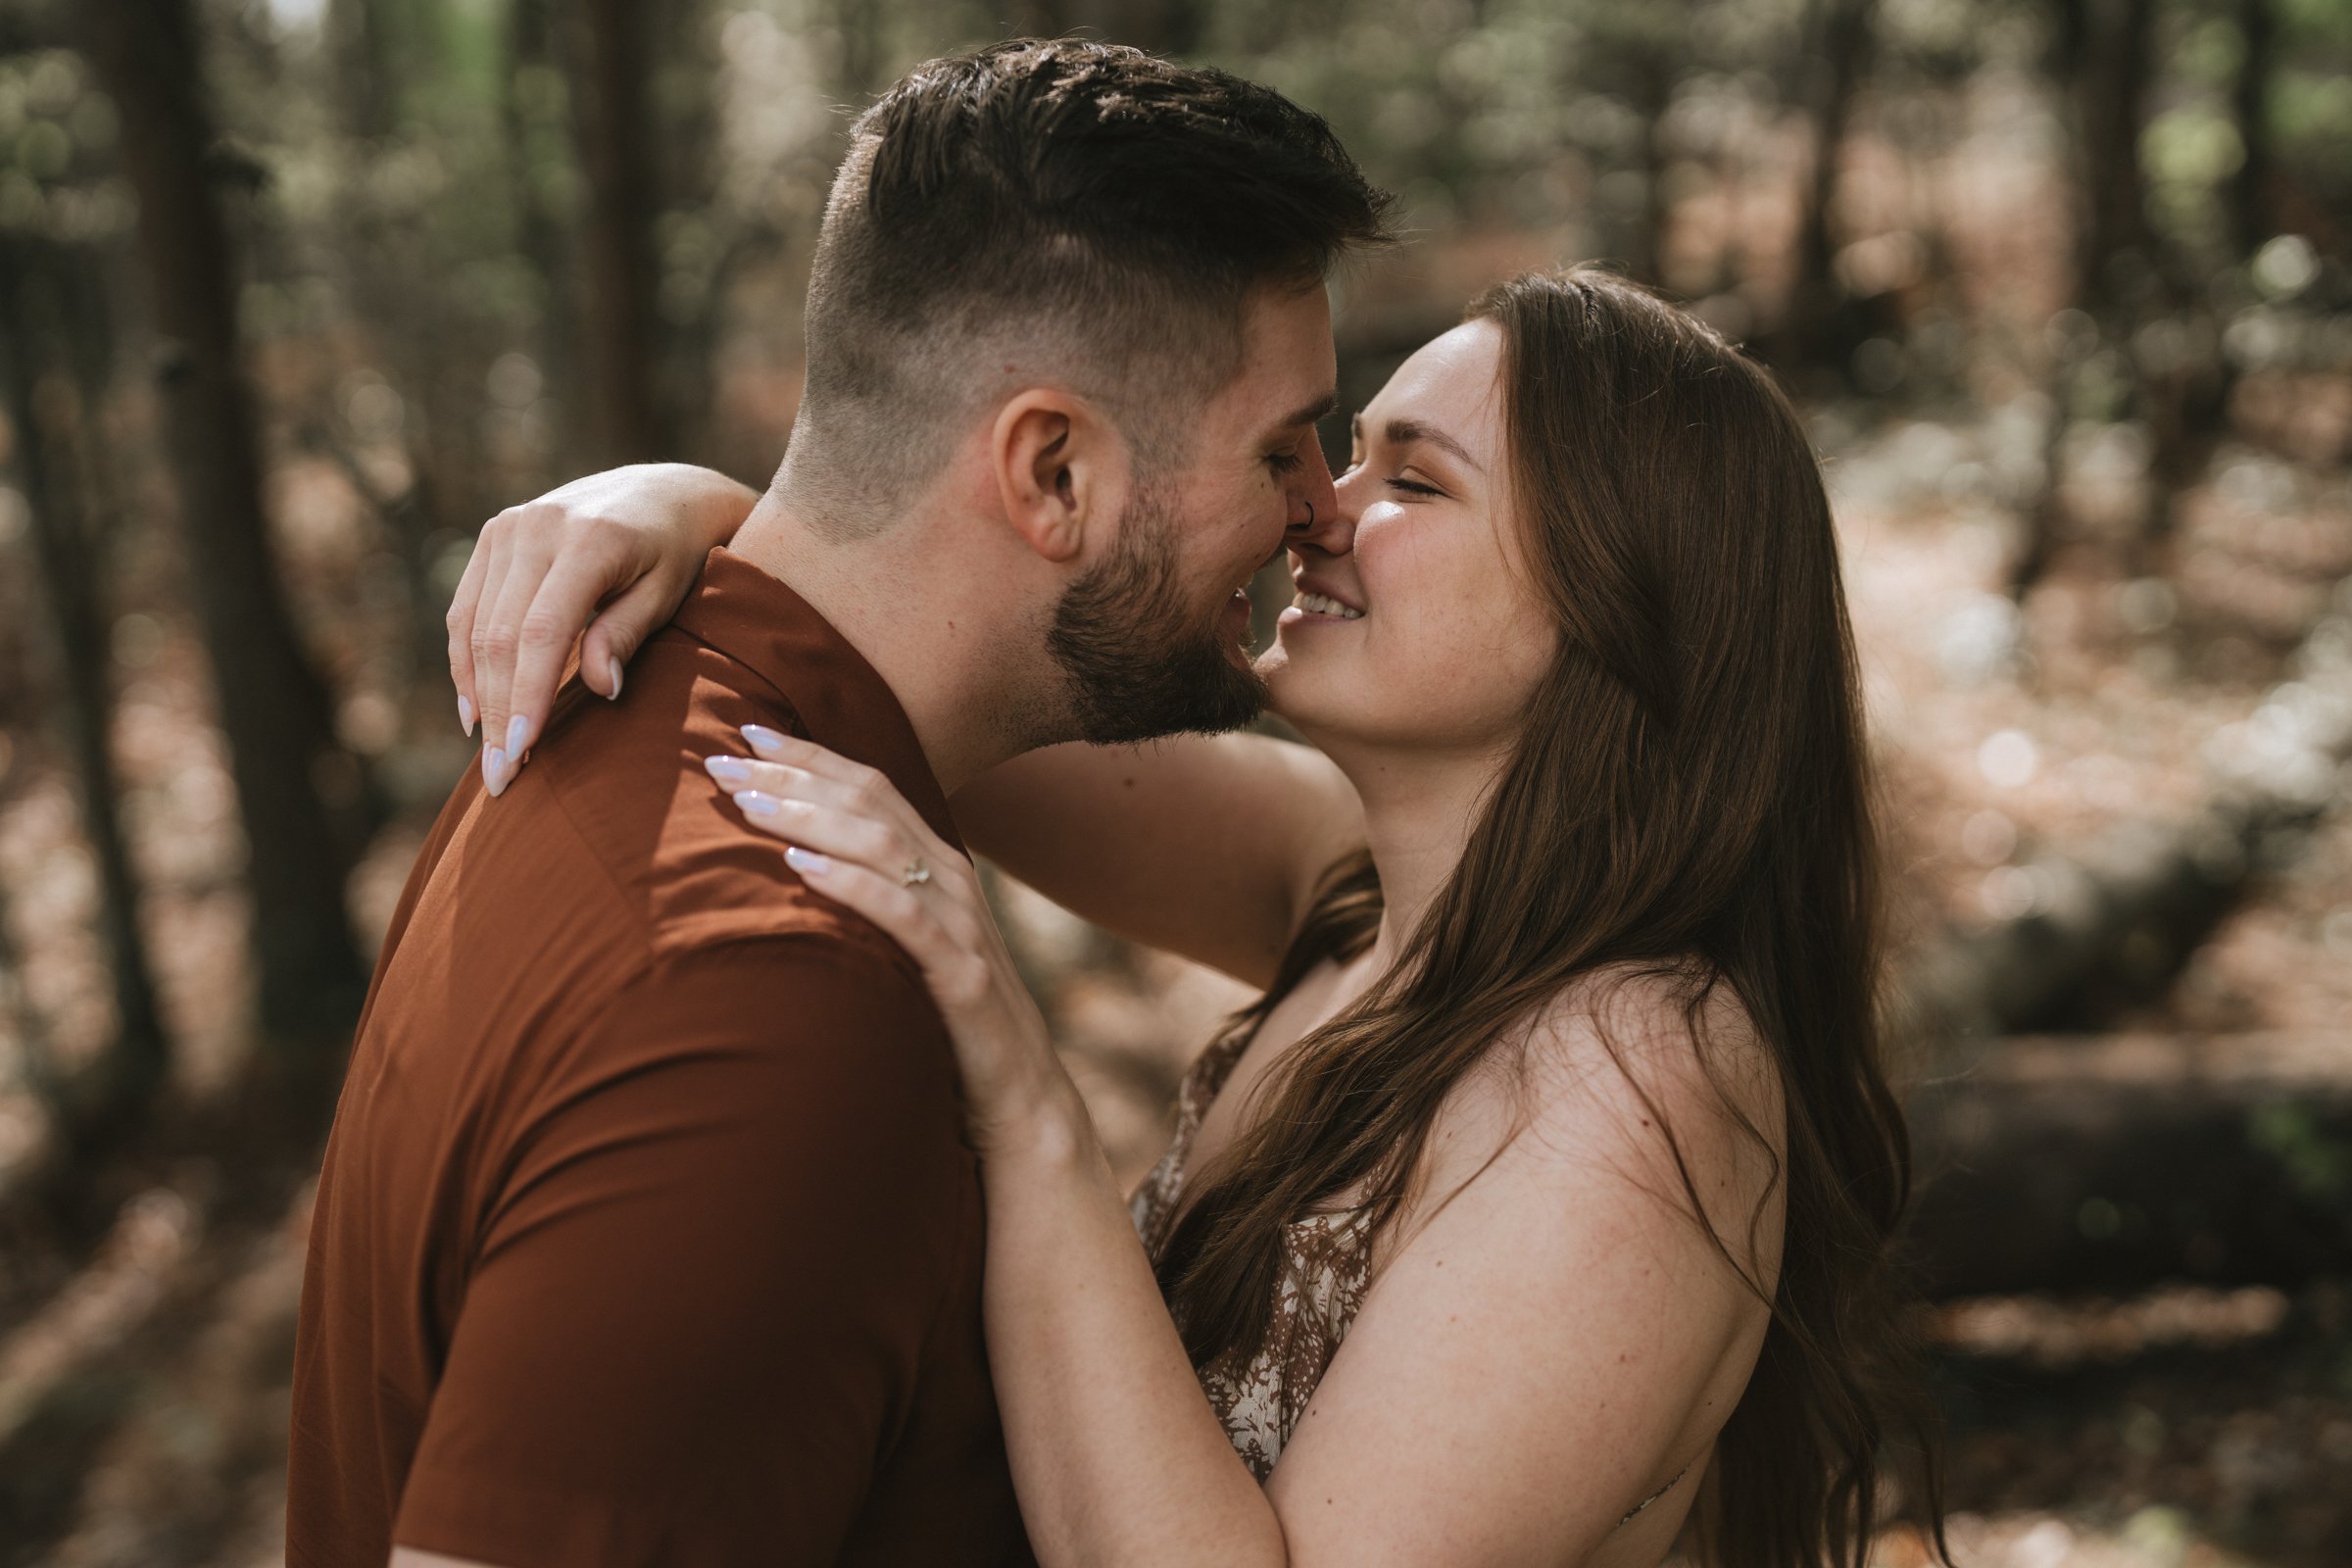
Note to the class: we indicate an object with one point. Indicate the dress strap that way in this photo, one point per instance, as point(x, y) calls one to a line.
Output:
point(1629, 1513)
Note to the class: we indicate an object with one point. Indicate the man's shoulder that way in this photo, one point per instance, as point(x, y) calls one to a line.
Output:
point(628, 779)
point(821, 1042)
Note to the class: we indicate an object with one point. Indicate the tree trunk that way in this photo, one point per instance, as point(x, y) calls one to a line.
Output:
point(113, 1092)
point(2185, 398)
point(1840, 53)
point(2045, 512)
point(2102, 61)
point(409, 319)
point(1638, 63)
point(2251, 218)
point(2113, 196)
point(2067, 66)
point(273, 706)
point(365, 76)
point(613, 115)
point(532, 49)
point(2186, 405)
point(693, 294)
point(2118, 1164)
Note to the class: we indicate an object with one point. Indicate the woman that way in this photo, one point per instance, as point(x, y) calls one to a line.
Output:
point(1543, 1198)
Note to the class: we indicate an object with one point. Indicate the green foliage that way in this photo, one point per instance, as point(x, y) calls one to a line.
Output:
point(57, 138)
point(2317, 1163)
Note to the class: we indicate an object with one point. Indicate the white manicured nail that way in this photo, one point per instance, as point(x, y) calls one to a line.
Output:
point(494, 771)
point(806, 862)
point(767, 742)
point(616, 661)
point(466, 713)
point(730, 770)
point(756, 804)
point(518, 734)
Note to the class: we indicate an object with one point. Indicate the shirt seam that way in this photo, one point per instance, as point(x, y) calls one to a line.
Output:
point(649, 931)
point(736, 660)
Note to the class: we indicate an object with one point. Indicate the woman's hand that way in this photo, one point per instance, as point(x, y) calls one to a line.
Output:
point(630, 540)
point(852, 836)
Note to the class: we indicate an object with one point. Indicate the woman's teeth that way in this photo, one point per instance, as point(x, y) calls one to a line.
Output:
point(1318, 605)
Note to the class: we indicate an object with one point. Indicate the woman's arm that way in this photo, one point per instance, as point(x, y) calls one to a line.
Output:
point(616, 552)
point(1545, 1347)
point(1208, 847)
point(1117, 1455)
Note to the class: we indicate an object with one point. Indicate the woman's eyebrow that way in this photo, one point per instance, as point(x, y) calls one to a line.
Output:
point(1403, 432)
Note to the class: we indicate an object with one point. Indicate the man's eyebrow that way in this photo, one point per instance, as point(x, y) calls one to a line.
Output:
point(1312, 413)
point(1403, 432)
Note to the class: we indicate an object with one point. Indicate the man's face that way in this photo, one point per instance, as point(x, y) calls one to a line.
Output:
point(1154, 638)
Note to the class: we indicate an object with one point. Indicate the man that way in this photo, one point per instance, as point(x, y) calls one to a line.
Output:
point(646, 1233)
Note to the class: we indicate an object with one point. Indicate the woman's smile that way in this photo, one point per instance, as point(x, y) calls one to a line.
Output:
point(1309, 607)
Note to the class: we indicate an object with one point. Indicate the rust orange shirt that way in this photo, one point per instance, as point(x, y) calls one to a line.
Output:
point(647, 1233)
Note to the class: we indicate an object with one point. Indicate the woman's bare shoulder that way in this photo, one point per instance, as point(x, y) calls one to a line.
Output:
point(1672, 1033)
point(1630, 1075)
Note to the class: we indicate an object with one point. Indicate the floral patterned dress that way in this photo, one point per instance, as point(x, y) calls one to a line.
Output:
point(1326, 1271)
point(1326, 1268)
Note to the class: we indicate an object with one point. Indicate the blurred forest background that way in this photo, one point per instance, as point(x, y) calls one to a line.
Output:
point(295, 293)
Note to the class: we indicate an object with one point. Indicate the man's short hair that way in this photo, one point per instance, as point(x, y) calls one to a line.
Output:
point(1059, 212)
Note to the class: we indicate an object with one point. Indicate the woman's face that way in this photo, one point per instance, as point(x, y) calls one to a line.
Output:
point(1415, 625)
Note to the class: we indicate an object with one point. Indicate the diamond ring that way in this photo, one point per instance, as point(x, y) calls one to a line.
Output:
point(916, 874)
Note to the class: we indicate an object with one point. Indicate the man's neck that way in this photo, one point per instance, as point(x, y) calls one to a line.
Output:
point(927, 629)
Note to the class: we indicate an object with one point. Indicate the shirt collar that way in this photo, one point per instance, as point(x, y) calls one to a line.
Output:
point(843, 702)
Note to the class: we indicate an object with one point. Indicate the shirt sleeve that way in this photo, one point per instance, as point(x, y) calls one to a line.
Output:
point(702, 1290)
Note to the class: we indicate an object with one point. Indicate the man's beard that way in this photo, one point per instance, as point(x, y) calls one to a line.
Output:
point(1139, 663)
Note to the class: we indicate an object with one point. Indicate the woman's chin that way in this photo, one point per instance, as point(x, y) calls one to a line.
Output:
point(1312, 692)
point(1291, 695)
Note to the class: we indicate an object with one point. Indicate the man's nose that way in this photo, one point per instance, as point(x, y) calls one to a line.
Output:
point(1314, 516)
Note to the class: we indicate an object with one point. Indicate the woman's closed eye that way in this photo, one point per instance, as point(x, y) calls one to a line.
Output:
point(1398, 483)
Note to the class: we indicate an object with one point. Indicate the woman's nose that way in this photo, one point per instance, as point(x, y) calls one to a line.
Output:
point(1314, 517)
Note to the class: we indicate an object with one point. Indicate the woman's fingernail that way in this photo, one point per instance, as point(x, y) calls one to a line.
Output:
point(806, 862)
point(494, 769)
point(616, 661)
point(466, 713)
point(518, 734)
point(767, 742)
point(732, 770)
point(756, 804)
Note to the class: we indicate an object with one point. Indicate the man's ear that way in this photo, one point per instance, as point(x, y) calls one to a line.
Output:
point(1060, 468)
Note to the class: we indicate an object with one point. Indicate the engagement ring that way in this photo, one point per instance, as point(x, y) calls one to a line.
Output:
point(917, 872)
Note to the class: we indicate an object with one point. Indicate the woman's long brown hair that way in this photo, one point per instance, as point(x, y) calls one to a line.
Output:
point(1689, 798)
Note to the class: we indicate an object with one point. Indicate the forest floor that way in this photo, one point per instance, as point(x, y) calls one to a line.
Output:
point(2185, 1427)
